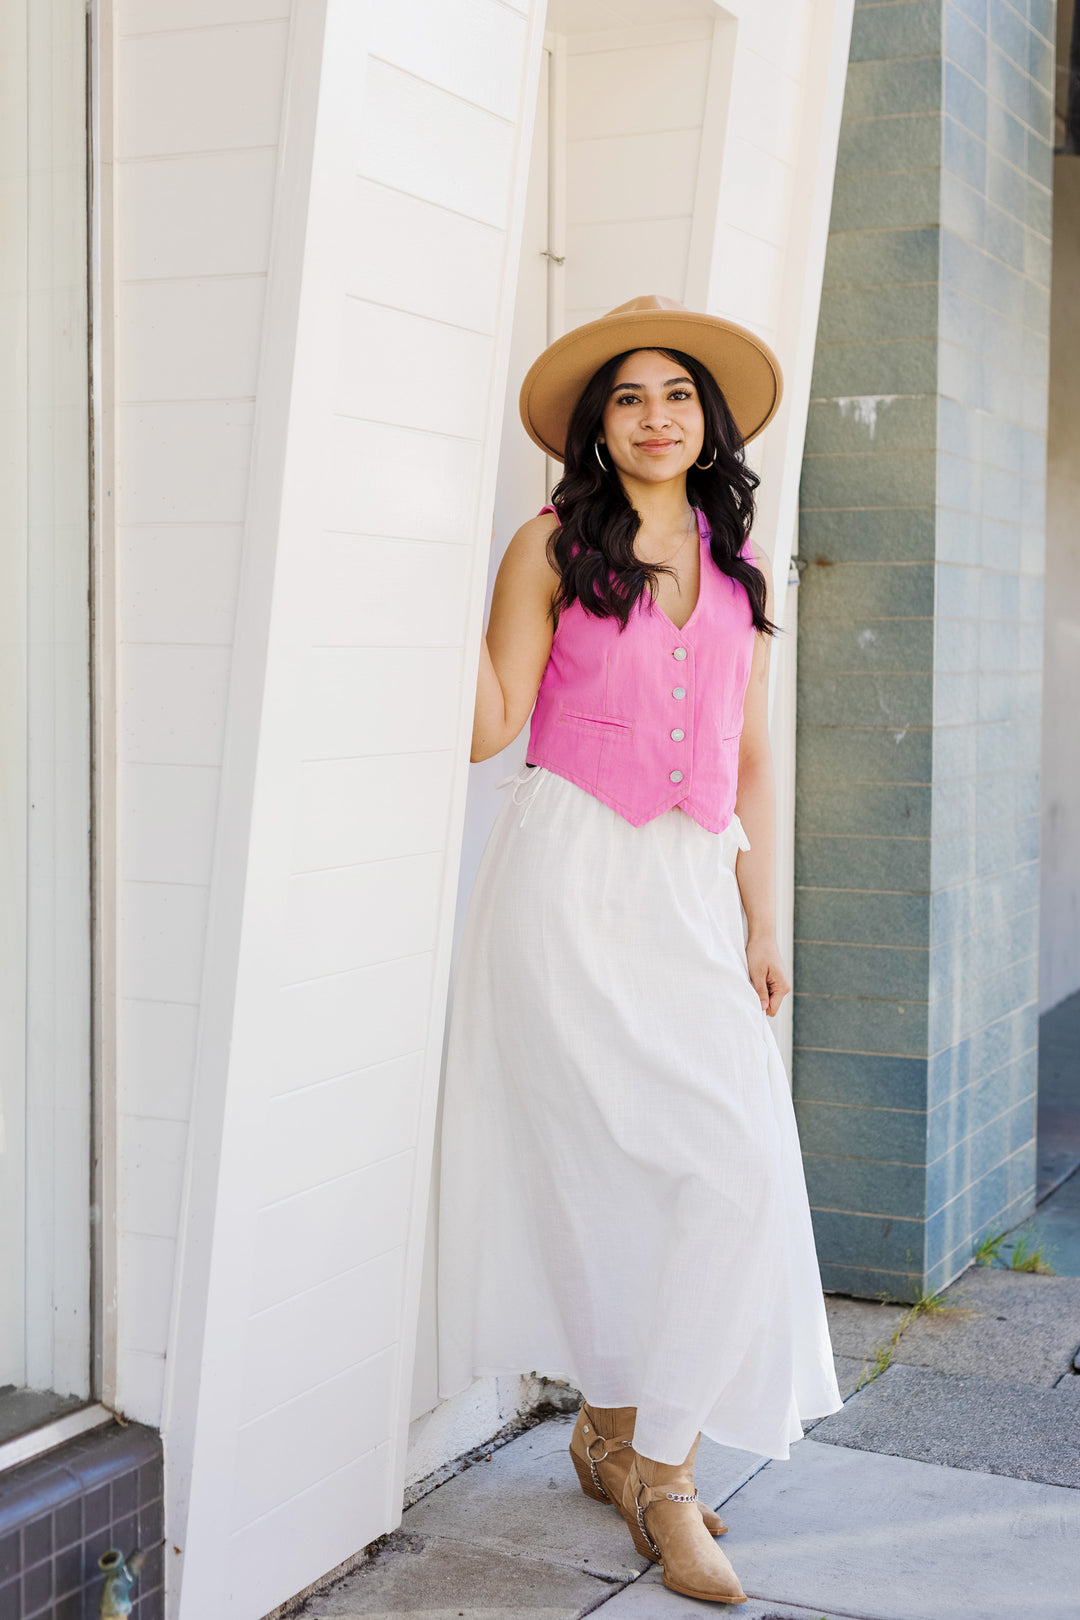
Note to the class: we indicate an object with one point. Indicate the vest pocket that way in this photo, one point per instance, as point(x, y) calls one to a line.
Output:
point(594, 725)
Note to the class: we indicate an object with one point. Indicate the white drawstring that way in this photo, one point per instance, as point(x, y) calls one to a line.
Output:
point(740, 833)
point(533, 774)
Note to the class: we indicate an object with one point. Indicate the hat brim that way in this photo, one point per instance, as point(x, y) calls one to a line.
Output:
point(745, 368)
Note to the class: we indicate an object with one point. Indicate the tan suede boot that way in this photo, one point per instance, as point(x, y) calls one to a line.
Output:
point(601, 1451)
point(659, 1506)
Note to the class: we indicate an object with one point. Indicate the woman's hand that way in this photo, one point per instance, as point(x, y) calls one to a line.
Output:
point(767, 972)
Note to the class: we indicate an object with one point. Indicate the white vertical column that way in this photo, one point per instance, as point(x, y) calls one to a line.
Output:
point(397, 217)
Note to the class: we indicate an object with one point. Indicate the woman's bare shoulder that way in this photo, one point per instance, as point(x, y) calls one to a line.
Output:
point(538, 530)
point(529, 547)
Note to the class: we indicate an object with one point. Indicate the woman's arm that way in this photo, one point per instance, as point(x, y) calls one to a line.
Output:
point(515, 650)
point(756, 809)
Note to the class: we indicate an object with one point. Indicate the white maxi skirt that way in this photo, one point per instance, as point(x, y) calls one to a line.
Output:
point(622, 1198)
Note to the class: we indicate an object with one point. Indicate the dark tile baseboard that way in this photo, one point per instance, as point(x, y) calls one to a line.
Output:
point(61, 1511)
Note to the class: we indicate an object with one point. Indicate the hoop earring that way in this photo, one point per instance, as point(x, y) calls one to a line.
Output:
point(599, 457)
point(707, 465)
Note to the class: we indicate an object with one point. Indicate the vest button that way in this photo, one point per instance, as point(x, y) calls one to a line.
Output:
point(680, 652)
point(676, 776)
point(678, 691)
point(677, 735)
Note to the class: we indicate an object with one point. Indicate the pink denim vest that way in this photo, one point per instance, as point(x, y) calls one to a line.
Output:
point(650, 718)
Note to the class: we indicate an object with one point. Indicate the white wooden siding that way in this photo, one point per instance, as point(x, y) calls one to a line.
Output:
point(635, 101)
point(344, 770)
point(198, 93)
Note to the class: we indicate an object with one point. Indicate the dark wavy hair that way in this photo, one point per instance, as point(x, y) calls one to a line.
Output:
point(593, 548)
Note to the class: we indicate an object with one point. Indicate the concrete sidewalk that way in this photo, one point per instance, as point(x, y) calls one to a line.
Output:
point(947, 1488)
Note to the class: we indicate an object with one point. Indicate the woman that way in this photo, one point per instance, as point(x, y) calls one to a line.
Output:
point(623, 1202)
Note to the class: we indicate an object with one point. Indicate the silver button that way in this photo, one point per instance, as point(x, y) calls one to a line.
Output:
point(676, 776)
point(680, 652)
point(677, 735)
point(678, 691)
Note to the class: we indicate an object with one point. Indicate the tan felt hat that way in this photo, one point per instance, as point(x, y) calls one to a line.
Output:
point(745, 368)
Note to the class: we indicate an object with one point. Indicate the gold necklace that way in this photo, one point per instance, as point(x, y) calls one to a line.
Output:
point(681, 547)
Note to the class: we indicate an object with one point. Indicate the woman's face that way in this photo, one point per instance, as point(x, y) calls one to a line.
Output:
point(653, 425)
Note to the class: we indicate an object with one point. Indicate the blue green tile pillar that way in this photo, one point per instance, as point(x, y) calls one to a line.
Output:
point(920, 647)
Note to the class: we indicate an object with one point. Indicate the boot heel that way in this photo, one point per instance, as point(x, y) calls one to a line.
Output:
point(585, 1479)
point(640, 1544)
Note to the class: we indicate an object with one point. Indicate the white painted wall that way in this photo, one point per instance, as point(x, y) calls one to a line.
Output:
point(198, 90)
point(635, 103)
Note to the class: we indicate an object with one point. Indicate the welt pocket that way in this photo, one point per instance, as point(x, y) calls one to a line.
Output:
point(732, 737)
point(608, 725)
